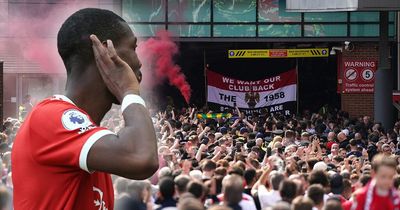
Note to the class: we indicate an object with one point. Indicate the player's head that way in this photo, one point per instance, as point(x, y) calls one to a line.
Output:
point(384, 170)
point(75, 47)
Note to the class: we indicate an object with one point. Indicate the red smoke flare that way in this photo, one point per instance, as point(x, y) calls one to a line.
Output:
point(32, 31)
point(157, 57)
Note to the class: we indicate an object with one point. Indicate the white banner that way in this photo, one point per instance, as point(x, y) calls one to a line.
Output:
point(276, 93)
point(252, 100)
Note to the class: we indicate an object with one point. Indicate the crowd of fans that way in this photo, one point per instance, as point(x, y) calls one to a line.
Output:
point(264, 161)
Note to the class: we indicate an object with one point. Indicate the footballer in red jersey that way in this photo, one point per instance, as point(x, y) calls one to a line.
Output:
point(61, 158)
point(379, 193)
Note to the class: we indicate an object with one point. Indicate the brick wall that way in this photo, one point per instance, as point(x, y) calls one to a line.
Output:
point(359, 104)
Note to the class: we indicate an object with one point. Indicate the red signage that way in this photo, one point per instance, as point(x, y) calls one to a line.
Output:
point(358, 76)
point(278, 53)
point(396, 96)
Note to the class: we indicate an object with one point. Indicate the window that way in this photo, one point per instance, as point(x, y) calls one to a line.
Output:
point(243, 18)
point(144, 30)
point(190, 30)
point(189, 11)
point(323, 30)
point(325, 17)
point(364, 30)
point(275, 11)
point(234, 30)
point(234, 10)
point(275, 30)
point(364, 16)
point(143, 11)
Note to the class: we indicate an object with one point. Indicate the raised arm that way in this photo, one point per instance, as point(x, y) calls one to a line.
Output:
point(133, 152)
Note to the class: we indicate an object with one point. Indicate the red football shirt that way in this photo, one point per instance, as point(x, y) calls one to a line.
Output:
point(49, 155)
point(389, 202)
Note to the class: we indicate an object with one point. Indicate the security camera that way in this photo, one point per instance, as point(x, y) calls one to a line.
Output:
point(333, 50)
point(346, 45)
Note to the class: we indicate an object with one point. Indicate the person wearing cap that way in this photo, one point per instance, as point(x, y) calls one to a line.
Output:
point(278, 132)
point(244, 132)
point(223, 130)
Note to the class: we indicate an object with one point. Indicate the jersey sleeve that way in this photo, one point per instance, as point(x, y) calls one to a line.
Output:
point(62, 135)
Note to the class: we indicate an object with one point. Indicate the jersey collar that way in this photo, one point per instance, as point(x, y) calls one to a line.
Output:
point(63, 98)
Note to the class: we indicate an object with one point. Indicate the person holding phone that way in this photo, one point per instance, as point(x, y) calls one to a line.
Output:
point(62, 157)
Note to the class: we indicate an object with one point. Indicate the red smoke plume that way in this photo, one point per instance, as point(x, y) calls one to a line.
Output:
point(32, 32)
point(157, 57)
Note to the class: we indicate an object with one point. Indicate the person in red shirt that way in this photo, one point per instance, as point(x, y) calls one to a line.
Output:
point(379, 192)
point(61, 157)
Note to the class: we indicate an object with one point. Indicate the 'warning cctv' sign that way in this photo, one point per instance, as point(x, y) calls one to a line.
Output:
point(278, 53)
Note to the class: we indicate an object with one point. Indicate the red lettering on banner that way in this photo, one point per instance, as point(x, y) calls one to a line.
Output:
point(267, 84)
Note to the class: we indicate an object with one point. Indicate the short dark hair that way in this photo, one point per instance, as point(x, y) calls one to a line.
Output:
point(249, 175)
point(209, 165)
point(302, 203)
point(73, 37)
point(232, 189)
point(332, 205)
point(364, 179)
point(288, 190)
point(319, 177)
point(167, 187)
point(181, 182)
point(346, 185)
point(276, 180)
point(311, 162)
point(196, 188)
point(316, 193)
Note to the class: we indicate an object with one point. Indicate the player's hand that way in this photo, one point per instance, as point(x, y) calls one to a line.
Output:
point(116, 73)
